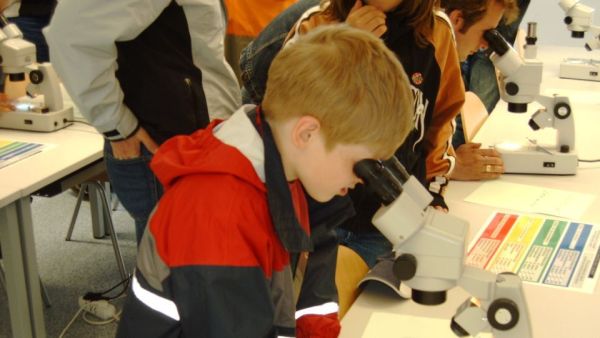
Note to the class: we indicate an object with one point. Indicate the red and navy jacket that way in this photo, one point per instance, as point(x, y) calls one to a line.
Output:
point(219, 253)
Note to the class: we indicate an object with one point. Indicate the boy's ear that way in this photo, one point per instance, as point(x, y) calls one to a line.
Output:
point(304, 130)
point(457, 20)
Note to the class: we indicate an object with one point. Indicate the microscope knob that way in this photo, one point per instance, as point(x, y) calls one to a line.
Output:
point(405, 267)
point(512, 88)
point(503, 314)
point(562, 110)
point(568, 20)
point(36, 76)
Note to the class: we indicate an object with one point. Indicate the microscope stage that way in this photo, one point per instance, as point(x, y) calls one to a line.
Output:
point(535, 161)
point(35, 121)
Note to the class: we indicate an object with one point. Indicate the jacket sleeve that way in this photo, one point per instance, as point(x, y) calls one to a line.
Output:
point(451, 96)
point(317, 306)
point(81, 39)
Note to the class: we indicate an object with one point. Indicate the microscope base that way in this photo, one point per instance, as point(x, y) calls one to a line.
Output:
point(539, 162)
point(580, 69)
point(34, 121)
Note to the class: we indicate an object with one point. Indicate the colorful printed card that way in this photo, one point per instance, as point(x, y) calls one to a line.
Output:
point(540, 249)
point(14, 151)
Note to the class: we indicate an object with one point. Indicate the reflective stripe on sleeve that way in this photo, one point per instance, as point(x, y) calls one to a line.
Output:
point(323, 309)
point(155, 302)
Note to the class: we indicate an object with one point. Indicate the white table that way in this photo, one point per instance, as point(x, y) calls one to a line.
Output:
point(554, 313)
point(75, 147)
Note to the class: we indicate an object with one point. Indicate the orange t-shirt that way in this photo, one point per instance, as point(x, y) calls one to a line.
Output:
point(248, 18)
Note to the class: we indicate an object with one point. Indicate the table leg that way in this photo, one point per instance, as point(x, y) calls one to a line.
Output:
point(20, 263)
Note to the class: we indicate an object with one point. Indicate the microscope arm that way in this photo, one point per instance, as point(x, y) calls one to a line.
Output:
point(557, 115)
point(594, 41)
point(44, 80)
point(501, 307)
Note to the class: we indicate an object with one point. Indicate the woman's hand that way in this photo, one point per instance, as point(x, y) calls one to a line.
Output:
point(367, 18)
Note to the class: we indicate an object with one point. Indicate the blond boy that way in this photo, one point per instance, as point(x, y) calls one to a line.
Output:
point(220, 252)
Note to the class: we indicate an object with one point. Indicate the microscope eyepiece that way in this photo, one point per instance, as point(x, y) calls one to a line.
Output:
point(379, 180)
point(496, 41)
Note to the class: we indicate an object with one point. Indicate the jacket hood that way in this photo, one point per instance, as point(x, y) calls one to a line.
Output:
point(201, 153)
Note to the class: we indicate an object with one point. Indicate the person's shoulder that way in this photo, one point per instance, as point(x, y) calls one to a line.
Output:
point(442, 29)
point(211, 204)
point(217, 188)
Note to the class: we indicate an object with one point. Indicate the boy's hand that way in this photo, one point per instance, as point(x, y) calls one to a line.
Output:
point(367, 18)
point(474, 163)
point(130, 148)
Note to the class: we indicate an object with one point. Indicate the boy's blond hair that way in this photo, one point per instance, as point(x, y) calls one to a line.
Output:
point(347, 79)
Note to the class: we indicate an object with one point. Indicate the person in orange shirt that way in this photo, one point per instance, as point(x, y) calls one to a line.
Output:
point(245, 20)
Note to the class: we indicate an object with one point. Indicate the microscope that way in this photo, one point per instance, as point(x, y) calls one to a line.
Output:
point(520, 85)
point(44, 111)
point(429, 250)
point(579, 19)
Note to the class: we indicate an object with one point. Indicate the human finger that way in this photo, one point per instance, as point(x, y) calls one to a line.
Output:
point(489, 152)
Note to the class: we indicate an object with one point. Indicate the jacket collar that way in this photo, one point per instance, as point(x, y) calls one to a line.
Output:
point(293, 237)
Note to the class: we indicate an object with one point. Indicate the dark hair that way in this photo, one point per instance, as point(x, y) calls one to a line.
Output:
point(419, 14)
point(473, 10)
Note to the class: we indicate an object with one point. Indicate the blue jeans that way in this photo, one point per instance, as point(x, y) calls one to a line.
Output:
point(31, 26)
point(369, 246)
point(256, 58)
point(135, 185)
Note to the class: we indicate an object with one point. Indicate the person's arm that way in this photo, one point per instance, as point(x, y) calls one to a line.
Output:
point(81, 38)
point(451, 96)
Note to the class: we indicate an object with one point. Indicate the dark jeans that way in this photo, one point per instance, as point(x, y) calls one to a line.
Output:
point(369, 246)
point(32, 26)
point(135, 185)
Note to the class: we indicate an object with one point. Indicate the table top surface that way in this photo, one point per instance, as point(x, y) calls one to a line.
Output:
point(68, 149)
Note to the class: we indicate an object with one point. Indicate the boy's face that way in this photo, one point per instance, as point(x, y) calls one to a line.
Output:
point(471, 40)
point(325, 174)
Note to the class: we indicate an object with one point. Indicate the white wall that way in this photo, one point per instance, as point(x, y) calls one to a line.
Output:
point(551, 29)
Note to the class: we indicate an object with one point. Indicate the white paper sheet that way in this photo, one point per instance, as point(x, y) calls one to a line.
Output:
point(390, 325)
point(532, 199)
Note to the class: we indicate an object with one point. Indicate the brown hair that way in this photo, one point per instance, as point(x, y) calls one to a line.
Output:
point(347, 79)
point(473, 10)
point(418, 12)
